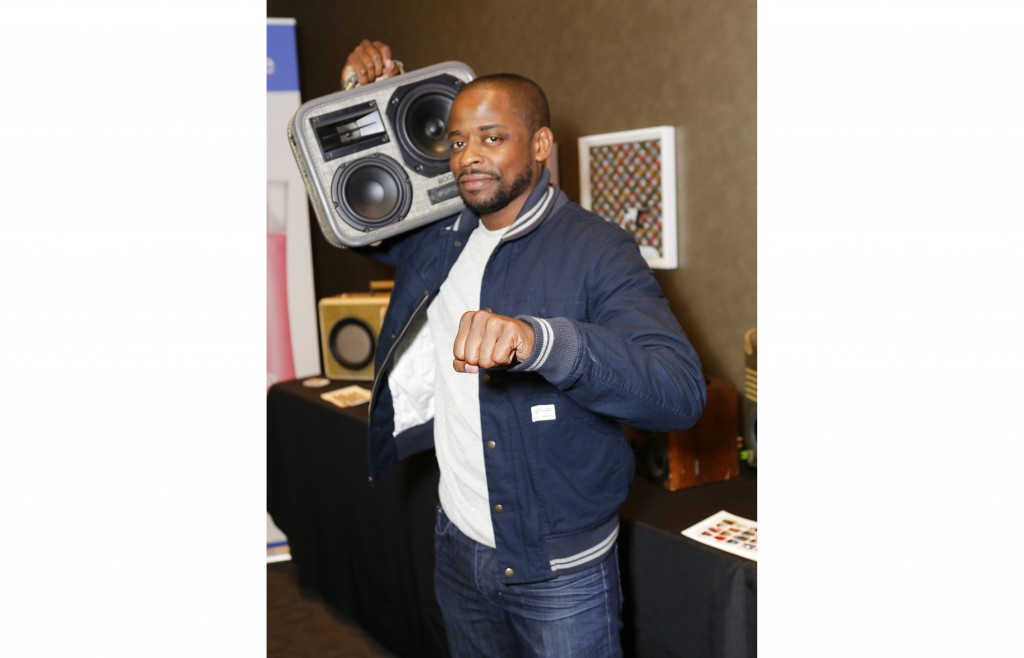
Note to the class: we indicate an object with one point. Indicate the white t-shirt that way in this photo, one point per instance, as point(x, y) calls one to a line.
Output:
point(457, 432)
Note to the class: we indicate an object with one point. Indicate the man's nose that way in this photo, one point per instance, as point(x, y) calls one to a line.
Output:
point(468, 156)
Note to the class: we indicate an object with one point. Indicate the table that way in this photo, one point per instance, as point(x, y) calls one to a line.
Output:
point(368, 554)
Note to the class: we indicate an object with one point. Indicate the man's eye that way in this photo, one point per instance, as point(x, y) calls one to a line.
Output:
point(492, 139)
point(457, 145)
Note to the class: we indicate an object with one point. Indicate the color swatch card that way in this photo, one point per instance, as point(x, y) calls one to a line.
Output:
point(728, 532)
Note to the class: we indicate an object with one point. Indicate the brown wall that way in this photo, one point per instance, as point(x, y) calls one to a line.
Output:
point(605, 66)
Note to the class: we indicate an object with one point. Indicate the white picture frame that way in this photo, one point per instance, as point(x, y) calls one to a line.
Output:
point(629, 178)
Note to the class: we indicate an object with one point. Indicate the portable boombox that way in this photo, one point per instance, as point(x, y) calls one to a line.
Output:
point(375, 159)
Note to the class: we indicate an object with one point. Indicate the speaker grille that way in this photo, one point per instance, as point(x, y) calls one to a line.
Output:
point(352, 343)
point(371, 192)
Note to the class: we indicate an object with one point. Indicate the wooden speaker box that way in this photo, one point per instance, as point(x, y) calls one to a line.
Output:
point(750, 395)
point(707, 452)
point(349, 326)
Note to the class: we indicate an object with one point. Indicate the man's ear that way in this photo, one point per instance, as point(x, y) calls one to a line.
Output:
point(543, 139)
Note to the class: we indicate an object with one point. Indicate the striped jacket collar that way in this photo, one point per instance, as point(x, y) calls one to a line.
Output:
point(544, 198)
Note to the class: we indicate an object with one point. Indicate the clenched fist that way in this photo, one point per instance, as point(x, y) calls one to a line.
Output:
point(487, 340)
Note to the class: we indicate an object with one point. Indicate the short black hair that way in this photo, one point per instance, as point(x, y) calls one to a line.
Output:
point(526, 94)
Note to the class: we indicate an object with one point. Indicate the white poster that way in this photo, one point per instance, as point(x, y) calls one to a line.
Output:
point(292, 340)
point(293, 349)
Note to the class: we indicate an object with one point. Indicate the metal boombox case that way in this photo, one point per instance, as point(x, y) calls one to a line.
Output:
point(375, 159)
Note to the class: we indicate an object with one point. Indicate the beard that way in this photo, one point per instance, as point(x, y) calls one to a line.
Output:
point(502, 196)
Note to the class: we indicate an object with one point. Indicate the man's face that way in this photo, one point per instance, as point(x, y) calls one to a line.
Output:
point(492, 150)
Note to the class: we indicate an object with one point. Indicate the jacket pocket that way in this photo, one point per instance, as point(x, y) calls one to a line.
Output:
point(579, 463)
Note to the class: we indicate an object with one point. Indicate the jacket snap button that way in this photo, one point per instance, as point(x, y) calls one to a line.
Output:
point(498, 509)
point(509, 573)
point(491, 445)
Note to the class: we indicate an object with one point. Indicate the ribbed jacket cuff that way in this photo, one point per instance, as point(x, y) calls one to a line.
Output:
point(556, 347)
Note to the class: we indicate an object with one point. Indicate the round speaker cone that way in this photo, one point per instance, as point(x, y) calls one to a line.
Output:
point(352, 344)
point(426, 124)
point(371, 192)
point(421, 121)
point(657, 461)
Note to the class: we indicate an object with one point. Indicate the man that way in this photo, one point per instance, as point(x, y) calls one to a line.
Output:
point(519, 335)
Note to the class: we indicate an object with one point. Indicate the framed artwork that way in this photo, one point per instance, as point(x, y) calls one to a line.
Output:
point(629, 178)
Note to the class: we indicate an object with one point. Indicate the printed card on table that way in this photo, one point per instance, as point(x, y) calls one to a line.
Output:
point(728, 532)
point(349, 396)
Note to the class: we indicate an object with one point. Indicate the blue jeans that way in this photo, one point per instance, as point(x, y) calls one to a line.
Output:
point(574, 615)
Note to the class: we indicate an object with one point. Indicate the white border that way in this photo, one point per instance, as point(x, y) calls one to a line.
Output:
point(667, 135)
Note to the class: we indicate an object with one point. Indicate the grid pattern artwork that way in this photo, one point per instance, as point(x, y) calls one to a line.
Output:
point(629, 178)
point(626, 189)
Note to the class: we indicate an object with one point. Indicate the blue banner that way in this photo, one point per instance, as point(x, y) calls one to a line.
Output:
point(282, 56)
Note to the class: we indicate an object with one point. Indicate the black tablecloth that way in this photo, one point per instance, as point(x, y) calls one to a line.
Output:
point(369, 553)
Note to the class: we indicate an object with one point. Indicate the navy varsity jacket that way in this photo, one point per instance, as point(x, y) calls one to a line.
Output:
point(607, 351)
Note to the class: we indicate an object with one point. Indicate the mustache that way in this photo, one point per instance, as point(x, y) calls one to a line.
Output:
point(478, 172)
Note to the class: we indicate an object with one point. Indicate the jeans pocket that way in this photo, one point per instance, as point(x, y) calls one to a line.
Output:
point(442, 524)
